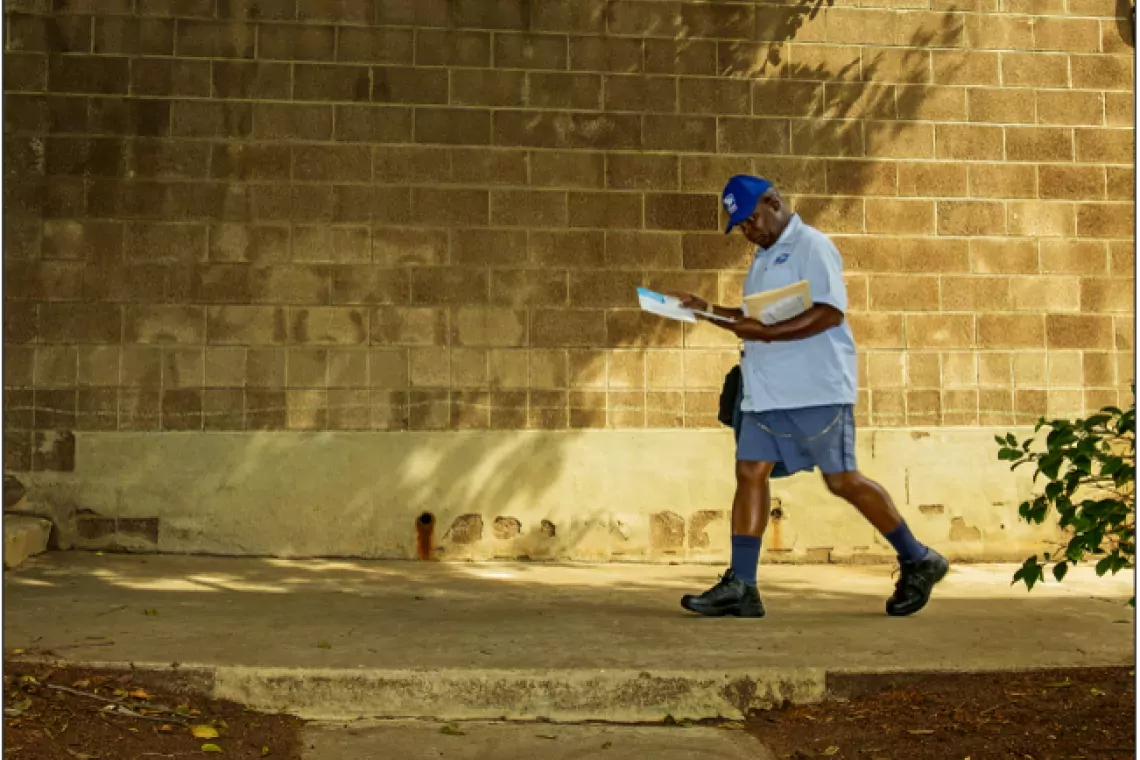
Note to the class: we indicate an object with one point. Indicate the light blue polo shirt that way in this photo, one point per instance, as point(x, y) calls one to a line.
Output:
point(816, 371)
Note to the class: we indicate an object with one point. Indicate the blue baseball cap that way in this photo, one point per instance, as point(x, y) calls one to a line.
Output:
point(741, 196)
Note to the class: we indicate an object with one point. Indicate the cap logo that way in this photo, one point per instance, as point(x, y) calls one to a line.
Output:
point(730, 203)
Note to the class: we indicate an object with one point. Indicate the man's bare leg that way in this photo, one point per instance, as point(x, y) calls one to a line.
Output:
point(753, 501)
point(867, 496)
point(736, 594)
point(921, 567)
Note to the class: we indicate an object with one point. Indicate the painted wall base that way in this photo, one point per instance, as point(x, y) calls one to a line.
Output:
point(660, 496)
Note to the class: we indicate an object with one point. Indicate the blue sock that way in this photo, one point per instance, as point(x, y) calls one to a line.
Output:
point(745, 558)
point(907, 546)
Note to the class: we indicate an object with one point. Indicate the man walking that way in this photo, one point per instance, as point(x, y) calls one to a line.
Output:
point(798, 403)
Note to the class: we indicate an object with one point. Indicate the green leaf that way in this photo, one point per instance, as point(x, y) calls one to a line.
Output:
point(1030, 573)
point(1112, 466)
point(211, 748)
point(1051, 465)
point(1059, 570)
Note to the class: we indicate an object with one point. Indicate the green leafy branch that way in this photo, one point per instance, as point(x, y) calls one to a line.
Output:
point(1089, 470)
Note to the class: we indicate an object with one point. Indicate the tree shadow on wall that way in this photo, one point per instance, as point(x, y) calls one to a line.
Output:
point(540, 488)
point(857, 110)
point(1126, 21)
point(776, 27)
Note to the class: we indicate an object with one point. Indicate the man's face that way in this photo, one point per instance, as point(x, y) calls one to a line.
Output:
point(763, 228)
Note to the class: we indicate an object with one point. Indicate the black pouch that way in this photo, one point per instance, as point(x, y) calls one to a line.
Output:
point(729, 395)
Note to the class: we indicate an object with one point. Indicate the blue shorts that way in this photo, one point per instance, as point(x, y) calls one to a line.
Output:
point(800, 439)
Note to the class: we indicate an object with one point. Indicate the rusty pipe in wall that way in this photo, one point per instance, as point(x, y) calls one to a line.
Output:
point(425, 535)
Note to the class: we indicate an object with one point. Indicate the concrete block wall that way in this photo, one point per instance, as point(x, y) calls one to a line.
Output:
point(431, 215)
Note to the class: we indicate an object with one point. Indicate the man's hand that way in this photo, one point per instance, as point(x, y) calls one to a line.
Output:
point(690, 301)
point(817, 319)
point(696, 303)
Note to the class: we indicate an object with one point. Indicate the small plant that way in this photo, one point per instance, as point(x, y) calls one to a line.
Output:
point(1089, 470)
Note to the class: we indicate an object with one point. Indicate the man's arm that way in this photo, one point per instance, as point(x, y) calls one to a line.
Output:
point(823, 269)
point(812, 322)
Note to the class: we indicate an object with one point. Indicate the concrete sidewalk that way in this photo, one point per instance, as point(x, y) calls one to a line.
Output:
point(340, 639)
point(421, 740)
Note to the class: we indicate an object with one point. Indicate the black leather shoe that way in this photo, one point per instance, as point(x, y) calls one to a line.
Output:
point(916, 581)
point(730, 596)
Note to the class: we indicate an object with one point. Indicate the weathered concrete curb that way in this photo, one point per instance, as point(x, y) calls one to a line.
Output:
point(617, 696)
point(24, 537)
point(560, 696)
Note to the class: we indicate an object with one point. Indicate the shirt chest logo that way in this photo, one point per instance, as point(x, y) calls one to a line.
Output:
point(781, 259)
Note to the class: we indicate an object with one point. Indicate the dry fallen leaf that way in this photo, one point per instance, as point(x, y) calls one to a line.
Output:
point(1060, 684)
point(139, 694)
point(81, 684)
point(203, 732)
point(1097, 692)
point(547, 736)
point(211, 748)
point(920, 731)
point(165, 728)
point(733, 726)
point(832, 750)
point(17, 651)
point(451, 730)
point(324, 645)
point(264, 751)
point(18, 708)
point(607, 745)
point(150, 612)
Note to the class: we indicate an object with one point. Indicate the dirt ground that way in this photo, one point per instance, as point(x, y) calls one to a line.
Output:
point(76, 714)
point(1054, 715)
point(73, 714)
